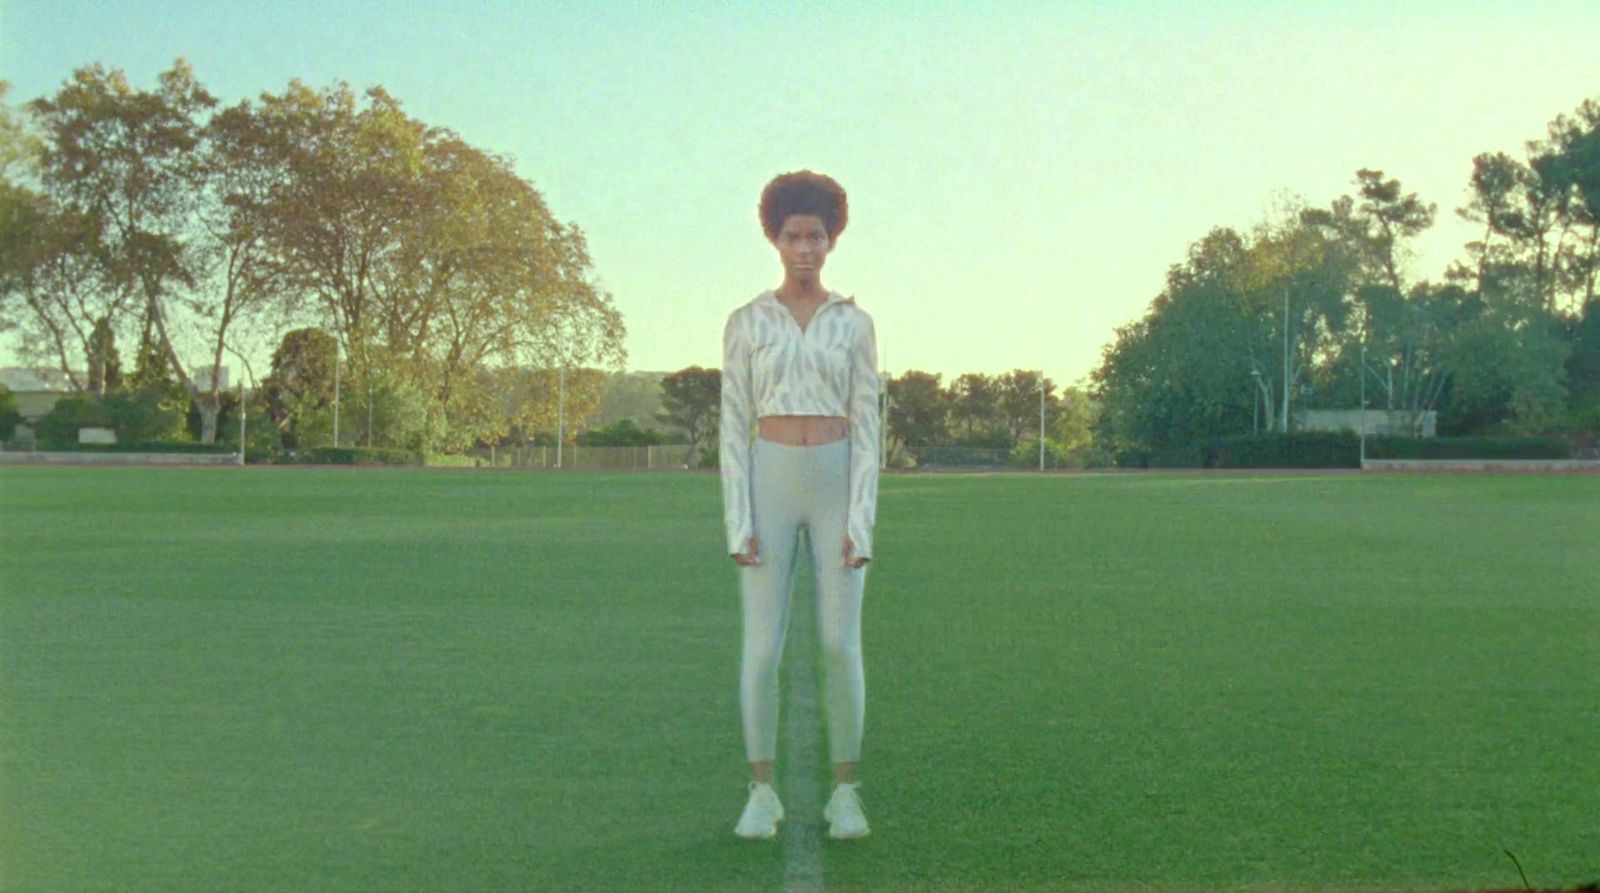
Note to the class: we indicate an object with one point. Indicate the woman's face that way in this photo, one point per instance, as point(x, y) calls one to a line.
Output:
point(803, 246)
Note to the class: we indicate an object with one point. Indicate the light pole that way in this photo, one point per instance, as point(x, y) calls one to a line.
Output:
point(1286, 361)
point(1363, 405)
point(241, 420)
point(336, 390)
point(337, 328)
point(1041, 420)
point(883, 420)
point(561, 411)
point(1255, 402)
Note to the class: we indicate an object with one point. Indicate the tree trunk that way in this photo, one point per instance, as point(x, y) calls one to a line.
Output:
point(208, 405)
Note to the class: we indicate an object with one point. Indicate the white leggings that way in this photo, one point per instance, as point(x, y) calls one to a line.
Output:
point(793, 486)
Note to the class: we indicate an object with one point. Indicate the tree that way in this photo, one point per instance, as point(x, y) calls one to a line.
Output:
point(154, 403)
point(1075, 426)
point(1507, 358)
point(19, 144)
point(918, 410)
point(234, 276)
point(384, 408)
point(105, 366)
point(299, 390)
point(435, 267)
point(19, 207)
point(1583, 369)
point(538, 401)
point(1183, 371)
point(1239, 325)
point(691, 401)
point(632, 396)
point(974, 401)
point(48, 282)
point(1402, 329)
point(1541, 218)
point(123, 164)
point(1019, 403)
point(415, 244)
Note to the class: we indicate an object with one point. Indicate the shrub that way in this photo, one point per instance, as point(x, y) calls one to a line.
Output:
point(262, 441)
point(452, 460)
point(621, 433)
point(10, 415)
point(58, 428)
point(1301, 449)
point(147, 414)
point(1336, 449)
point(1468, 448)
point(1026, 454)
point(710, 456)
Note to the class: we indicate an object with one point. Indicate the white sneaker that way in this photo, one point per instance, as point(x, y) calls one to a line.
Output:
point(846, 821)
point(762, 813)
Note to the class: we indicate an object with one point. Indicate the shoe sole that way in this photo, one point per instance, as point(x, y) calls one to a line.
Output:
point(768, 836)
point(833, 836)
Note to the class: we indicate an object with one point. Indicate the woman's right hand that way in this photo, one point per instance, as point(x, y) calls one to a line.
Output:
point(749, 557)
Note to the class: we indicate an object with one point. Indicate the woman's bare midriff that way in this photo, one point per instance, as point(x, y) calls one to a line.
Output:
point(803, 430)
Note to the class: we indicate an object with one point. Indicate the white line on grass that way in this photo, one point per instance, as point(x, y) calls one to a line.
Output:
point(802, 835)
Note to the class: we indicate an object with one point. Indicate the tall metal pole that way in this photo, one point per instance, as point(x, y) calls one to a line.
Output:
point(336, 390)
point(241, 420)
point(561, 413)
point(1285, 361)
point(1041, 420)
point(883, 420)
point(1363, 405)
point(1255, 401)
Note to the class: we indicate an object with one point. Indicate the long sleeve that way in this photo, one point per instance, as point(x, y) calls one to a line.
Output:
point(864, 438)
point(738, 408)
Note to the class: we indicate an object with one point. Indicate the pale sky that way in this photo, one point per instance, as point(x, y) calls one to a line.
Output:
point(1021, 174)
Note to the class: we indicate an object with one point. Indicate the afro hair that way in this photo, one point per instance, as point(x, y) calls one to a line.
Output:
point(804, 192)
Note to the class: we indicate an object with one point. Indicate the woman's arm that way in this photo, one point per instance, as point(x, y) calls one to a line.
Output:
point(864, 438)
point(734, 449)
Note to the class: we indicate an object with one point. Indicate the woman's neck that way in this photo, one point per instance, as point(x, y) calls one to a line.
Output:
point(808, 291)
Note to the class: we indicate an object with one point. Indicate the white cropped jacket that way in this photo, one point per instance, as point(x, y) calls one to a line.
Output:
point(771, 367)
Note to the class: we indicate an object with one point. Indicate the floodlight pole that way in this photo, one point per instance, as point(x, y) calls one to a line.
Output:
point(1363, 405)
point(883, 420)
point(241, 420)
point(1041, 420)
point(335, 390)
point(1286, 361)
point(1255, 402)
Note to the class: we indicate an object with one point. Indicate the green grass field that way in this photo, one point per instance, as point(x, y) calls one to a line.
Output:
point(293, 679)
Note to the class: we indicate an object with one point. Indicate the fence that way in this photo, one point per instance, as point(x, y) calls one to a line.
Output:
point(963, 457)
point(573, 456)
point(679, 456)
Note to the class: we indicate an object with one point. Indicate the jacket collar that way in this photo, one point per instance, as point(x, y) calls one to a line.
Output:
point(769, 298)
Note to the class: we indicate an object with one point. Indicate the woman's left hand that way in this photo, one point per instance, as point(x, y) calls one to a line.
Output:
point(849, 555)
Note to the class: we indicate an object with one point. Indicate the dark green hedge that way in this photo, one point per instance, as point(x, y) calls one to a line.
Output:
point(1309, 449)
point(1468, 448)
point(1337, 449)
point(161, 446)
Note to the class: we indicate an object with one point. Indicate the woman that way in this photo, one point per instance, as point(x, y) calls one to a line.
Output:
point(802, 361)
